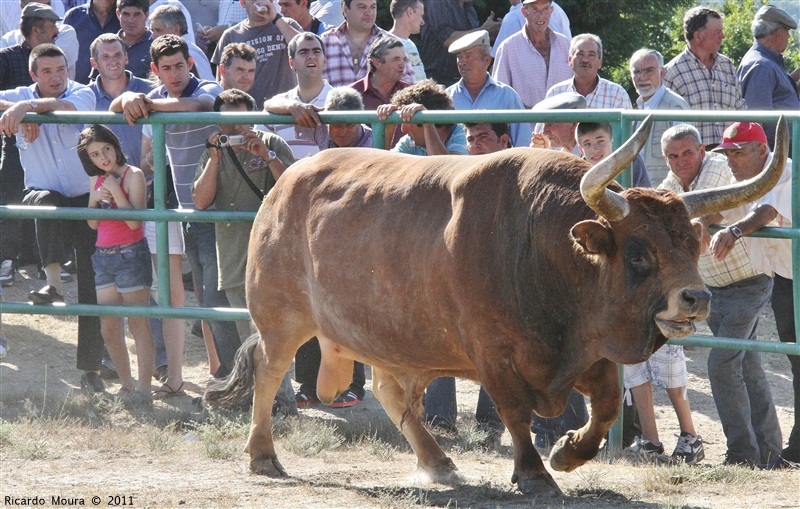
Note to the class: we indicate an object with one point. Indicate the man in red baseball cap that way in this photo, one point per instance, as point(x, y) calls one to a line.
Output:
point(745, 145)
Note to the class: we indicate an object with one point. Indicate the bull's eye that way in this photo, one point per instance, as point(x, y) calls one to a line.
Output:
point(639, 263)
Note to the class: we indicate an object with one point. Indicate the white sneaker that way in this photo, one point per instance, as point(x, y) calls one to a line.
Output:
point(3, 347)
point(7, 273)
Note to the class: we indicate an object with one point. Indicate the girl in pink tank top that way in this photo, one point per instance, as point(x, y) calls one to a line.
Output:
point(121, 261)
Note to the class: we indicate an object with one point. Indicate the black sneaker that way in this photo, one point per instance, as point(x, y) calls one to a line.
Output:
point(92, 383)
point(45, 295)
point(107, 373)
point(646, 450)
point(346, 399)
point(689, 449)
point(304, 399)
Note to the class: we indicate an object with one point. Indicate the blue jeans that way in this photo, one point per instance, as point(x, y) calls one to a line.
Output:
point(201, 250)
point(783, 307)
point(441, 406)
point(738, 383)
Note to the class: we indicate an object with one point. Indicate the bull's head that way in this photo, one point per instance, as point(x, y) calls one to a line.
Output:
point(662, 253)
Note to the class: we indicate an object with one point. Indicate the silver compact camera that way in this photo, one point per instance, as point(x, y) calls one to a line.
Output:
point(230, 141)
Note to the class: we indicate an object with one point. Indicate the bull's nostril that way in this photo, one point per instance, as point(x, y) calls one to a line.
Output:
point(694, 297)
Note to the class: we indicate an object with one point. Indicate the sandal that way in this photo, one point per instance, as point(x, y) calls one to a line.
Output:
point(165, 391)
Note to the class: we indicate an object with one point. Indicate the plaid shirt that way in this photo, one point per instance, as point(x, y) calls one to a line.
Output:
point(605, 95)
point(520, 65)
point(717, 89)
point(736, 266)
point(340, 70)
point(14, 67)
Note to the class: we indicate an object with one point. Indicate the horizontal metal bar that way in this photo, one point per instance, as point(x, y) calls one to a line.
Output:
point(739, 344)
point(171, 215)
point(24, 308)
point(243, 314)
point(370, 117)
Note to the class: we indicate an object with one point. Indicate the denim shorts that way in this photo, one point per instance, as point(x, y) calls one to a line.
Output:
point(128, 267)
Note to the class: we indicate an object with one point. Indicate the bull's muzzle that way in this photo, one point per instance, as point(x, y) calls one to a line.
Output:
point(696, 302)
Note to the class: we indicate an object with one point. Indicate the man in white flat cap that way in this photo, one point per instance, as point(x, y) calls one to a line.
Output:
point(765, 83)
point(477, 90)
point(536, 57)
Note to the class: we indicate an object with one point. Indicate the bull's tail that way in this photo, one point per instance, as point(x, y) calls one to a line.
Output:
point(238, 386)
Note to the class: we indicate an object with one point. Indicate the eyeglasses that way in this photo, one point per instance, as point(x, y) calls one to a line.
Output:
point(644, 72)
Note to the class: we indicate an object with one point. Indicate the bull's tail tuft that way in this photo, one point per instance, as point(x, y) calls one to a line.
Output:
point(238, 386)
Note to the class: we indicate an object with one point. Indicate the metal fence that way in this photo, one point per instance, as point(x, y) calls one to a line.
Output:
point(622, 121)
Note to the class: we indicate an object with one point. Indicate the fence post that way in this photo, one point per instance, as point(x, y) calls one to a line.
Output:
point(160, 203)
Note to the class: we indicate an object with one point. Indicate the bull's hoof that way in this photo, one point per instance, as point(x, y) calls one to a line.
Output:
point(542, 485)
point(445, 472)
point(270, 467)
point(563, 457)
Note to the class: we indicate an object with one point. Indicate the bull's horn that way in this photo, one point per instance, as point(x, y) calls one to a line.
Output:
point(701, 203)
point(594, 183)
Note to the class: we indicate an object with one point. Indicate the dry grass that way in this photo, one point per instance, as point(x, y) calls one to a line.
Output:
point(55, 439)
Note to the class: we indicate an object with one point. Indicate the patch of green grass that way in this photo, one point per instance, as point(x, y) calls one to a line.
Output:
point(671, 504)
point(400, 498)
point(308, 437)
point(160, 440)
point(28, 441)
point(375, 446)
point(222, 437)
point(664, 479)
point(470, 437)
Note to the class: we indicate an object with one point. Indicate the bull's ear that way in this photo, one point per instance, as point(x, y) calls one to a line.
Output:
point(593, 237)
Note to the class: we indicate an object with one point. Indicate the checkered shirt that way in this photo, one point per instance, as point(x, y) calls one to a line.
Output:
point(736, 266)
point(717, 89)
point(520, 65)
point(340, 71)
point(605, 95)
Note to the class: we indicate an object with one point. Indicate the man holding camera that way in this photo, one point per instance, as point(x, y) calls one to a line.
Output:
point(262, 157)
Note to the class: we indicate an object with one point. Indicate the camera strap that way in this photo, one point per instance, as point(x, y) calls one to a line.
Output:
point(243, 173)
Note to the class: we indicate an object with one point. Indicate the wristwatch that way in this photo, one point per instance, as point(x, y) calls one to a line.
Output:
point(737, 233)
point(271, 156)
point(32, 104)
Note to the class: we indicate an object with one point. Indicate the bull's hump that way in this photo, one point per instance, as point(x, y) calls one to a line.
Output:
point(381, 170)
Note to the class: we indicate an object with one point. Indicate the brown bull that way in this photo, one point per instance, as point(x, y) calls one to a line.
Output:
point(491, 268)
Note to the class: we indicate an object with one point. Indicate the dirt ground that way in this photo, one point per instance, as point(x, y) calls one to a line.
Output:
point(142, 458)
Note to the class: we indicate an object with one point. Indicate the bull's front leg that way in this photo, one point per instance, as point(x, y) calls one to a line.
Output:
point(530, 474)
point(601, 383)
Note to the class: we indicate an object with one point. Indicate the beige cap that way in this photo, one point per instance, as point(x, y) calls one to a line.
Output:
point(465, 42)
point(37, 10)
point(775, 15)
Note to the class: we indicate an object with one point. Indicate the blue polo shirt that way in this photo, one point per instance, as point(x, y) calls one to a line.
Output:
point(139, 55)
point(493, 96)
point(766, 85)
point(88, 28)
point(130, 137)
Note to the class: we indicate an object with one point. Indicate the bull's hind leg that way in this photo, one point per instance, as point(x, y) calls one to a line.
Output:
point(600, 383)
point(403, 404)
point(271, 361)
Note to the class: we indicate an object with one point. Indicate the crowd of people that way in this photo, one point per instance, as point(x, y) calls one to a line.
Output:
point(293, 57)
